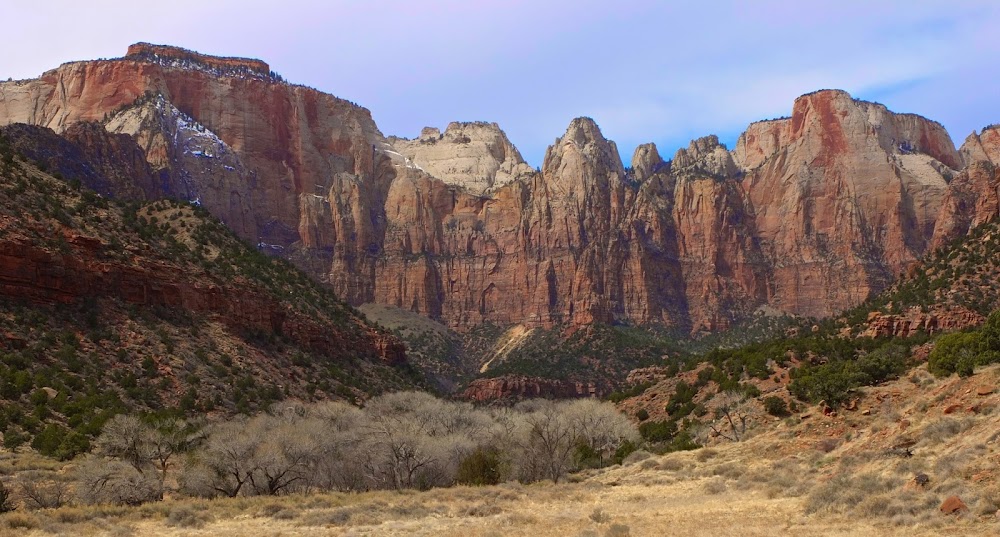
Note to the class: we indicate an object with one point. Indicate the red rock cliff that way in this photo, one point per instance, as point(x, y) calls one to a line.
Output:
point(166, 52)
point(809, 214)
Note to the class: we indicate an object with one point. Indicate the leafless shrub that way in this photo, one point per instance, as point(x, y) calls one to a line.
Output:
point(187, 517)
point(844, 493)
point(734, 414)
point(483, 510)
point(636, 456)
point(327, 517)
point(716, 485)
point(20, 521)
point(729, 470)
point(704, 454)
point(599, 516)
point(618, 530)
point(115, 482)
point(286, 514)
point(672, 464)
point(943, 429)
point(827, 445)
point(37, 492)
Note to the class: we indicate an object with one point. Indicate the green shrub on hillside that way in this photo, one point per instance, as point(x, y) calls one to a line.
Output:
point(775, 406)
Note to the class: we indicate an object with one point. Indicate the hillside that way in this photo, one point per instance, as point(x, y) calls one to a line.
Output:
point(886, 468)
point(110, 306)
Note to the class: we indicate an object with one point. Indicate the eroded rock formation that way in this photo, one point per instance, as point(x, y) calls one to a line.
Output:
point(809, 214)
point(516, 387)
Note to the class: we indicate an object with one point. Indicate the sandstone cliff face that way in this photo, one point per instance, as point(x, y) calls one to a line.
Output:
point(973, 198)
point(516, 387)
point(191, 162)
point(915, 321)
point(475, 156)
point(112, 165)
point(982, 146)
point(301, 146)
point(845, 195)
point(170, 54)
point(808, 214)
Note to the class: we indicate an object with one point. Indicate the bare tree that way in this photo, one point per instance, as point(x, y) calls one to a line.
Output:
point(732, 416)
point(142, 445)
point(289, 448)
point(599, 426)
point(230, 455)
point(115, 482)
point(546, 439)
point(40, 492)
point(165, 439)
point(125, 437)
point(6, 500)
point(399, 440)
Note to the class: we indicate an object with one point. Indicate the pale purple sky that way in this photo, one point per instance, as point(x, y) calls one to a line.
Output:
point(656, 71)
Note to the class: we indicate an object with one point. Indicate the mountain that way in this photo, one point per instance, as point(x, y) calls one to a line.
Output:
point(107, 306)
point(808, 215)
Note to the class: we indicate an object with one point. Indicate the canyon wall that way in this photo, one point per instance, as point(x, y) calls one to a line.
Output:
point(808, 214)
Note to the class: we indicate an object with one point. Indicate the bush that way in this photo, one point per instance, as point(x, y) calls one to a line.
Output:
point(955, 353)
point(6, 505)
point(658, 431)
point(484, 466)
point(40, 493)
point(21, 521)
point(624, 451)
point(116, 482)
point(832, 382)
point(775, 406)
point(186, 517)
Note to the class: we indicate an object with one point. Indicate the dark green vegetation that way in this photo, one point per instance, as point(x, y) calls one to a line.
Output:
point(596, 353)
point(962, 352)
point(445, 358)
point(962, 273)
point(76, 348)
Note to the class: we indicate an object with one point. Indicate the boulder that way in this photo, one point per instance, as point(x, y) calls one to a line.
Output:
point(953, 505)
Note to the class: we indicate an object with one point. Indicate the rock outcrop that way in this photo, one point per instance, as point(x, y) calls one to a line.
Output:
point(110, 164)
point(915, 321)
point(516, 387)
point(982, 146)
point(475, 156)
point(171, 54)
point(808, 214)
point(973, 196)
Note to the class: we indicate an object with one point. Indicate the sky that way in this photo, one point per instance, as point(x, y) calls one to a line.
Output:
point(646, 71)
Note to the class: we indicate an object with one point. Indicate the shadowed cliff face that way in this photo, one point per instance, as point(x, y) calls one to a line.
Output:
point(301, 160)
point(808, 214)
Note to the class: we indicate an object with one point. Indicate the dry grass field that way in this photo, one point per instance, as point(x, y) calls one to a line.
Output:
point(849, 473)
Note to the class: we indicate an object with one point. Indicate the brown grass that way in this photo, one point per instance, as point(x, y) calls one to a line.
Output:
point(775, 483)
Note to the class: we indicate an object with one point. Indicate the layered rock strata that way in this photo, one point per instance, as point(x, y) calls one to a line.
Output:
point(808, 214)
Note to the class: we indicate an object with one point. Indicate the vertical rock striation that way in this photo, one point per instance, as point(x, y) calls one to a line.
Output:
point(808, 214)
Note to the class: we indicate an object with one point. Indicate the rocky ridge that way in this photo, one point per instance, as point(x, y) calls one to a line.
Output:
point(809, 214)
point(156, 302)
point(475, 156)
